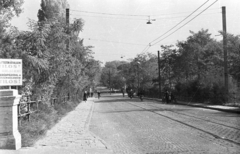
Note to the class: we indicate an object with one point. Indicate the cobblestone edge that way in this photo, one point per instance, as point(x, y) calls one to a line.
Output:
point(197, 105)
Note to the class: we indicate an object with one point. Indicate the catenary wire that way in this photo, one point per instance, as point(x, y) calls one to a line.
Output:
point(146, 49)
point(181, 12)
point(180, 22)
point(108, 17)
point(162, 18)
point(112, 14)
point(115, 42)
point(185, 23)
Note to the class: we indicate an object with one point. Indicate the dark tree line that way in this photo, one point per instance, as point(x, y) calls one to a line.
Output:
point(192, 69)
point(49, 68)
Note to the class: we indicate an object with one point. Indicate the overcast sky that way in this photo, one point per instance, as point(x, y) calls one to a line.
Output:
point(117, 28)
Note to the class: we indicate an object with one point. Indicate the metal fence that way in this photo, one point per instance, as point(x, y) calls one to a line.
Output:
point(26, 107)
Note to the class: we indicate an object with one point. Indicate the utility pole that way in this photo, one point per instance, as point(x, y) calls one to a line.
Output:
point(159, 77)
point(138, 76)
point(225, 51)
point(110, 81)
point(67, 46)
point(67, 22)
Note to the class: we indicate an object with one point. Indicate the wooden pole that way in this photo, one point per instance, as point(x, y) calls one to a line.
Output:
point(159, 77)
point(225, 51)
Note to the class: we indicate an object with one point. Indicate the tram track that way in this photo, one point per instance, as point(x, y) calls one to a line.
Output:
point(204, 119)
point(194, 116)
point(192, 126)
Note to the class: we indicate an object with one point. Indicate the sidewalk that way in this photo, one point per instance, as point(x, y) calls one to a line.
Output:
point(213, 107)
point(70, 135)
point(223, 108)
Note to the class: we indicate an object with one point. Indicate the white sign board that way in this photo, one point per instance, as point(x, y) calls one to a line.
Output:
point(10, 72)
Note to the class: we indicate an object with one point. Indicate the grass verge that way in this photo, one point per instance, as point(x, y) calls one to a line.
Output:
point(43, 120)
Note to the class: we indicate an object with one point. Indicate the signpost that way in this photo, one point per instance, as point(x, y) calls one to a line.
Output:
point(10, 75)
point(10, 72)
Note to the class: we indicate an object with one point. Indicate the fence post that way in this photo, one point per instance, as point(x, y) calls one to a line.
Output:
point(19, 118)
point(10, 136)
point(28, 110)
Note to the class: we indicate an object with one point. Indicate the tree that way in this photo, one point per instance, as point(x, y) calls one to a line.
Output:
point(8, 8)
point(48, 66)
point(51, 9)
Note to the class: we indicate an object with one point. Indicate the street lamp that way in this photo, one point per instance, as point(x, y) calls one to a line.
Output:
point(149, 20)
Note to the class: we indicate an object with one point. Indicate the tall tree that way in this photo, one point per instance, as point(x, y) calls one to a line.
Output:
point(51, 9)
point(8, 8)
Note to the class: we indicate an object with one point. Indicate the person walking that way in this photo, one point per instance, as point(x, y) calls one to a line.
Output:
point(99, 94)
point(88, 94)
point(85, 96)
point(123, 92)
point(170, 97)
point(167, 97)
point(140, 94)
point(173, 99)
point(131, 93)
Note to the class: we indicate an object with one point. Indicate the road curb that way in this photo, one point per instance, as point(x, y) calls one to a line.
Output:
point(201, 106)
point(87, 124)
point(213, 108)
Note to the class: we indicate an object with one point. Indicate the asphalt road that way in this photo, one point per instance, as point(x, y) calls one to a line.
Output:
point(131, 126)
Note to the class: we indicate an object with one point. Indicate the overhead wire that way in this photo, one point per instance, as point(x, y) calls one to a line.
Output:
point(108, 17)
point(146, 48)
point(185, 16)
point(116, 42)
point(134, 15)
point(186, 23)
point(182, 12)
point(180, 22)
point(112, 14)
point(162, 18)
point(149, 45)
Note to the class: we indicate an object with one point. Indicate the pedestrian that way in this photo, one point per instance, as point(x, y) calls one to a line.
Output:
point(85, 96)
point(167, 97)
point(131, 93)
point(99, 94)
point(170, 97)
point(88, 94)
point(123, 92)
point(140, 94)
point(173, 99)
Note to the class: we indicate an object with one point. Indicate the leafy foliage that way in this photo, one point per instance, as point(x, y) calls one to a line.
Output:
point(48, 66)
point(193, 70)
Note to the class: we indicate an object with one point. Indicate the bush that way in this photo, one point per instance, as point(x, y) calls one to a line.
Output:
point(152, 92)
point(198, 92)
